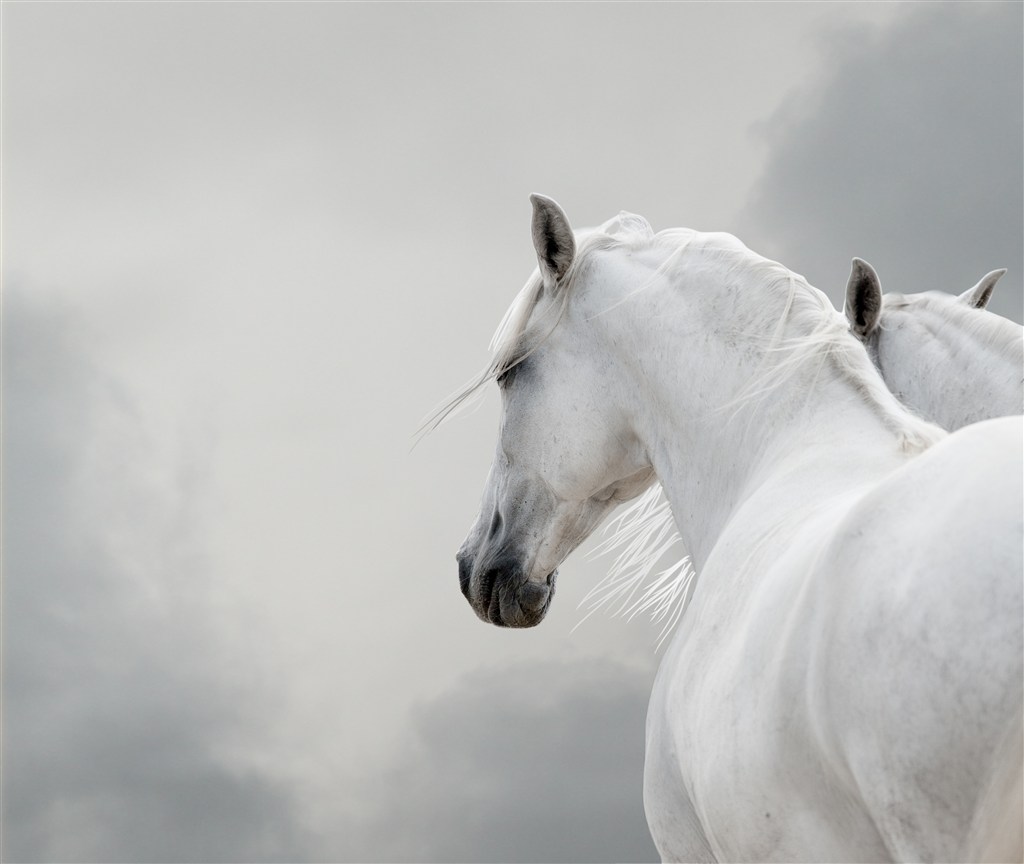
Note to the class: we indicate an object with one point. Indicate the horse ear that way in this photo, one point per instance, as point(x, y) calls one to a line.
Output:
point(863, 299)
point(553, 240)
point(979, 295)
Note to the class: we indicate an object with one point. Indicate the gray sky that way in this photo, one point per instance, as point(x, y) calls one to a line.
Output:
point(248, 246)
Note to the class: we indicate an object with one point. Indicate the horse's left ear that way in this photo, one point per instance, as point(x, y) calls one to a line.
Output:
point(863, 299)
point(553, 240)
point(979, 295)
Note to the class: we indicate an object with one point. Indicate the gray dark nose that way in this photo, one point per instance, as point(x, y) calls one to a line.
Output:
point(502, 596)
point(511, 601)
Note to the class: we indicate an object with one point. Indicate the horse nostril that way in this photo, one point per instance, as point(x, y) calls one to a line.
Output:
point(533, 597)
point(495, 524)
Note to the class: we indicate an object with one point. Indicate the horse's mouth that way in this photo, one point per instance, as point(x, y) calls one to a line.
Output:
point(505, 599)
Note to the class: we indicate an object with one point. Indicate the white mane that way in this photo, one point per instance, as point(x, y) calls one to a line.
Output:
point(808, 334)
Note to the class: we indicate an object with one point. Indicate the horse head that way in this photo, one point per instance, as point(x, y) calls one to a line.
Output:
point(564, 457)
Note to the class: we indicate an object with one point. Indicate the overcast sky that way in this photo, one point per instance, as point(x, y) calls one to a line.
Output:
point(247, 247)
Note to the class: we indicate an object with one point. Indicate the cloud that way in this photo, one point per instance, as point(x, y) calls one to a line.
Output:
point(519, 763)
point(119, 715)
point(909, 155)
point(128, 724)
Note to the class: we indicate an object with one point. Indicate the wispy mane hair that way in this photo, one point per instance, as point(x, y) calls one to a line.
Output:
point(811, 335)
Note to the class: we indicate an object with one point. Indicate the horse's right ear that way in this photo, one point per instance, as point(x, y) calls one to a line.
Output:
point(980, 294)
point(553, 239)
point(863, 299)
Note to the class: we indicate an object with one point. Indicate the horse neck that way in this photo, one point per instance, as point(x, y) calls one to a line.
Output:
point(952, 364)
point(800, 460)
point(713, 444)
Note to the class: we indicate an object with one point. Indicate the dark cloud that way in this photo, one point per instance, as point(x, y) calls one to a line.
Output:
point(117, 707)
point(520, 763)
point(909, 155)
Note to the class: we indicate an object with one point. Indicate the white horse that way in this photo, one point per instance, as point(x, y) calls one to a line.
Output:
point(944, 356)
point(846, 682)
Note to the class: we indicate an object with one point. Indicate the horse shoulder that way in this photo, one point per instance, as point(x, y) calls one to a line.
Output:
point(918, 667)
point(711, 707)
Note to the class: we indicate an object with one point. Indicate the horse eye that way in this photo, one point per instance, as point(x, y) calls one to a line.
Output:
point(506, 375)
point(509, 373)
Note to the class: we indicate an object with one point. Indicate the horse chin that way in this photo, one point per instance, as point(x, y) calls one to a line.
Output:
point(506, 601)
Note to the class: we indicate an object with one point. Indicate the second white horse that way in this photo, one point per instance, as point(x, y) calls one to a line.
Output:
point(945, 356)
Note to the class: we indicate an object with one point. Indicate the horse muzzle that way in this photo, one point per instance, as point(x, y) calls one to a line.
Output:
point(501, 594)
